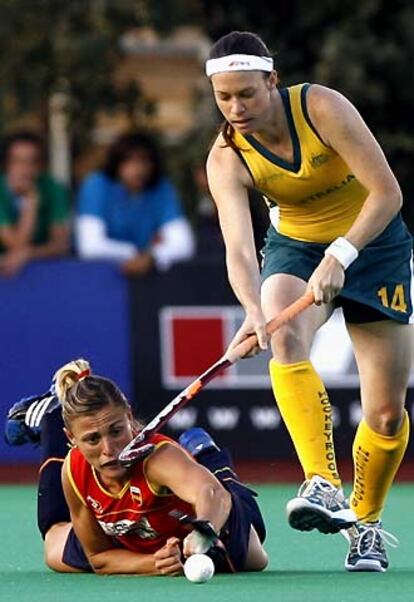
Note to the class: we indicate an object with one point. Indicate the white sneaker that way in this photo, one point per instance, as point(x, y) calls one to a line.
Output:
point(367, 547)
point(320, 505)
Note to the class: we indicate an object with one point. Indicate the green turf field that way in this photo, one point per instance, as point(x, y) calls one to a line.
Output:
point(304, 567)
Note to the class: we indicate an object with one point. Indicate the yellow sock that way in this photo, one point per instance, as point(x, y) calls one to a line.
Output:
point(304, 405)
point(376, 461)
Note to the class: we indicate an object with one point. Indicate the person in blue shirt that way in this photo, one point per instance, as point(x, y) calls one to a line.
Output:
point(129, 211)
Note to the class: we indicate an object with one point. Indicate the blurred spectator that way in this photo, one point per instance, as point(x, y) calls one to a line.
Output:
point(34, 209)
point(130, 211)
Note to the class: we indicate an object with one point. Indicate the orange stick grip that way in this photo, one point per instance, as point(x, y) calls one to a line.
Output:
point(287, 314)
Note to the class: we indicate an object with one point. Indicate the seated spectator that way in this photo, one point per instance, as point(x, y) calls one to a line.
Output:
point(34, 208)
point(130, 212)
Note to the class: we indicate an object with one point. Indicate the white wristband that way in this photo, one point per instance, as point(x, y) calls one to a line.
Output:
point(343, 251)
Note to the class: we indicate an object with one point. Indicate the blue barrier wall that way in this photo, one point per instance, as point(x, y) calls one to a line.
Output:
point(241, 417)
point(54, 312)
point(57, 311)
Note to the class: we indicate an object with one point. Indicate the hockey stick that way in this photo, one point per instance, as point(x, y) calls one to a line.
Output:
point(139, 447)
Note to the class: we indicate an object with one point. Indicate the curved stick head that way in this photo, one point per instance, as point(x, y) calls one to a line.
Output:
point(128, 457)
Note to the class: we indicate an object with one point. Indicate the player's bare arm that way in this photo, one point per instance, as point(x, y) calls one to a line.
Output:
point(229, 181)
point(173, 468)
point(342, 128)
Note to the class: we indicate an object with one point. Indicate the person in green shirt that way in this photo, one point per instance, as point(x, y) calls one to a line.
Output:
point(34, 208)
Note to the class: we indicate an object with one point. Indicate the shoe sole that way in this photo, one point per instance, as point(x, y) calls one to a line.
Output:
point(305, 516)
point(367, 566)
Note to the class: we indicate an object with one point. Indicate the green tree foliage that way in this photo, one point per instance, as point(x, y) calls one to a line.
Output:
point(70, 46)
point(364, 48)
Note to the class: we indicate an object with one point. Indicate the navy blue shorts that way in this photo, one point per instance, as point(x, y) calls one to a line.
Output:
point(73, 554)
point(377, 284)
point(52, 508)
point(245, 512)
point(51, 504)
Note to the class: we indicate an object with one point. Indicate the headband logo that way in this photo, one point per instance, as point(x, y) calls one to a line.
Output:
point(239, 63)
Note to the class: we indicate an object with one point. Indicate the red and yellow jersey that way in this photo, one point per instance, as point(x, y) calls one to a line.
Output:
point(314, 199)
point(137, 516)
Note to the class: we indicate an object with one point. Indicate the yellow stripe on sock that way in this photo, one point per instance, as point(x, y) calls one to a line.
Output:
point(376, 461)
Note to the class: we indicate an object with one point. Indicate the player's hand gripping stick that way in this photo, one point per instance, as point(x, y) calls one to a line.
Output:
point(207, 539)
point(139, 448)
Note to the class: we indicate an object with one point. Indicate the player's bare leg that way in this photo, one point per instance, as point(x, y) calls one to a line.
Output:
point(257, 558)
point(302, 400)
point(55, 541)
point(383, 351)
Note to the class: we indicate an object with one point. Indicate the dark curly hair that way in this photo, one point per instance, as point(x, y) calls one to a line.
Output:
point(127, 145)
point(20, 136)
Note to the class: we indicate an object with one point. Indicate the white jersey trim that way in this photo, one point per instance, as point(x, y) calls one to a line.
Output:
point(274, 215)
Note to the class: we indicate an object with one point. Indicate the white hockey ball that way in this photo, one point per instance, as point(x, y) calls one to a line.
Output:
point(199, 568)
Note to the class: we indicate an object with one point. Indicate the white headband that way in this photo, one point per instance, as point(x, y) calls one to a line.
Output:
point(239, 62)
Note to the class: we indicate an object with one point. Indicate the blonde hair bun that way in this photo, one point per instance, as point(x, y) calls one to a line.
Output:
point(69, 374)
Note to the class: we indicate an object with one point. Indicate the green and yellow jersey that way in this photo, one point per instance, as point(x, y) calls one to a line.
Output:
point(314, 199)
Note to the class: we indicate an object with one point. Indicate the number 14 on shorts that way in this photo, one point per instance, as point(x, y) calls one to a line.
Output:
point(397, 298)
